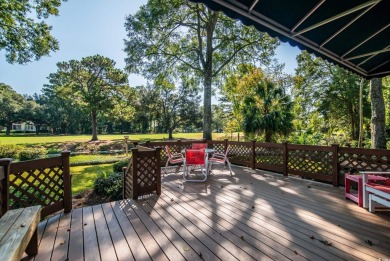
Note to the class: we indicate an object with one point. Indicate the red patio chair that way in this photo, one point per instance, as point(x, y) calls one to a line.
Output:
point(194, 158)
point(199, 146)
point(220, 159)
point(173, 158)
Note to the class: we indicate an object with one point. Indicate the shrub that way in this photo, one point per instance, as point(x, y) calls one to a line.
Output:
point(109, 186)
point(31, 153)
point(104, 147)
point(117, 167)
point(9, 151)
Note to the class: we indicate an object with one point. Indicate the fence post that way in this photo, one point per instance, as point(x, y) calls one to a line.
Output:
point(253, 163)
point(158, 170)
point(335, 164)
point(4, 184)
point(225, 145)
point(285, 159)
point(67, 182)
point(135, 155)
point(180, 146)
point(124, 169)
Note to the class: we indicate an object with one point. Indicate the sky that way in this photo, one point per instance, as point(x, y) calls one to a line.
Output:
point(84, 28)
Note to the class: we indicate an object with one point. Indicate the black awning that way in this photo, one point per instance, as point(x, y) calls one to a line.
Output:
point(352, 33)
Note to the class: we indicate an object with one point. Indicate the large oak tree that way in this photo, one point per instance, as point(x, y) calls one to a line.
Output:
point(22, 37)
point(178, 37)
point(92, 83)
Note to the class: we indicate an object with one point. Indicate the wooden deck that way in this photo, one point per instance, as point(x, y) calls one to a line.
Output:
point(253, 215)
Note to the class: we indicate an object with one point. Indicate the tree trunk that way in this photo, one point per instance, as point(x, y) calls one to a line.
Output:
point(360, 143)
point(8, 129)
point(37, 128)
point(378, 138)
point(207, 107)
point(268, 136)
point(94, 126)
point(170, 131)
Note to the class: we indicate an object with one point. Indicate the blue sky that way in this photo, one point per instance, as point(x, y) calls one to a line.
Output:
point(86, 28)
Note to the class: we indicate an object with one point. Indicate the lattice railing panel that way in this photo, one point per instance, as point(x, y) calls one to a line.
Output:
point(270, 156)
point(218, 147)
point(128, 180)
point(363, 160)
point(312, 162)
point(146, 172)
point(240, 153)
point(36, 187)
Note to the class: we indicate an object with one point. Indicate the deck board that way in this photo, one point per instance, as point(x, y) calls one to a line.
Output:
point(253, 215)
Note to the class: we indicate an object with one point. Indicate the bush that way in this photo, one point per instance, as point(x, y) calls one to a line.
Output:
point(109, 186)
point(104, 147)
point(117, 167)
point(9, 151)
point(31, 153)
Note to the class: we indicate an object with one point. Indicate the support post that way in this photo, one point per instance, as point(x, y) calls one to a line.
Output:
point(335, 164)
point(4, 184)
point(134, 158)
point(253, 163)
point(67, 182)
point(285, 159)
point(158, 170)
point(225, 143)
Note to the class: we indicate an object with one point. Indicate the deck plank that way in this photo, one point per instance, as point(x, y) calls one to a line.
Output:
point(46, 246)
point(248, 215)
point(119, 241)
point(136, 246)
point(91, 246)
point(318, 215)
point(106, 247)
point(252, 215)
point(193, 243)
point(60, 251)
point(180, 243)
point(162, 240)
point(148, 241)
point(76, 239)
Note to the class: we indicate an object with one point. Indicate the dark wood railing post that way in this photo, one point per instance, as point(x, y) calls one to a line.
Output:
point(225, 143)
point(134, 158)
point(124, 169)
point(285, 159)
point(253, 163)
point(179, 146)
point(335, 165)
point(67, 181)
point(4, 184)
point(158, 170)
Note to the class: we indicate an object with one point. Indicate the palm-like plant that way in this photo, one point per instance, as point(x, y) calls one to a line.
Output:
point(266, 109)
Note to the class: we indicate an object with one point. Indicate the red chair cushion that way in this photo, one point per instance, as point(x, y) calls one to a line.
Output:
point(199, 145)
point(195, 157)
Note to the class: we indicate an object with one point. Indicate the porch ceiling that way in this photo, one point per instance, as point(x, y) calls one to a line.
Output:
point(352, 34)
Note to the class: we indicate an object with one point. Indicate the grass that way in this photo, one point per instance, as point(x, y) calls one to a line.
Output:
point(83, 177)
point(95, 159)
point(41, 139)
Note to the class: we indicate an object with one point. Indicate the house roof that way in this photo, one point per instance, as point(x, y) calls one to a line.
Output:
point(354, 34)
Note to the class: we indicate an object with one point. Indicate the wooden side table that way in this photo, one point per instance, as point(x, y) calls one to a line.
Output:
point(358, 197)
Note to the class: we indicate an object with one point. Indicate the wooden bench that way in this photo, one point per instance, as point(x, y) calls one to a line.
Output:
point(18, 233)
point(375, 193)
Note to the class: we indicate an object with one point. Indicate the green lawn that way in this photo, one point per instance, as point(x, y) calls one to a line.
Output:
point(34, 139)
point(83, 177)
point(94, 158)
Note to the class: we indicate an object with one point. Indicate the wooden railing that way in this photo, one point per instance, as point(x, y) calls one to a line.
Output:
point(320, 163)
point(44, 182)
point(143, 174)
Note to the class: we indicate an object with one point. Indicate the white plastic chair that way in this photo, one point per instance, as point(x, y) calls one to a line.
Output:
point(220, 158)
point(173, 158)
